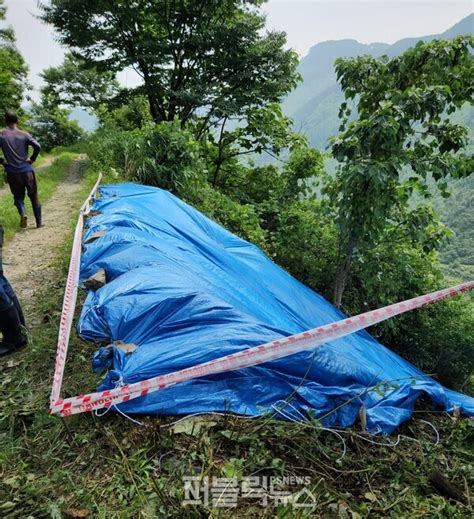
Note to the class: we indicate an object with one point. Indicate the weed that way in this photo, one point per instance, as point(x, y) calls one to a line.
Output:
point(109, 467)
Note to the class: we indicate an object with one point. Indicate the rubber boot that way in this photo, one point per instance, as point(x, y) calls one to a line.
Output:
point(19, 204)
point(37, 213)
point(10, 326)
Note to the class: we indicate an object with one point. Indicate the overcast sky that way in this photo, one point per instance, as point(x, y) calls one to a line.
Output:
point(306, 22)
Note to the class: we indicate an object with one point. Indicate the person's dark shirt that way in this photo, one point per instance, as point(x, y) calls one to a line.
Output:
point(14, 144)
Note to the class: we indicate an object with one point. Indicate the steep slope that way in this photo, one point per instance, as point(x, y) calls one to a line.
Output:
point(314, 107)
point(314, 104)
point(317, 69)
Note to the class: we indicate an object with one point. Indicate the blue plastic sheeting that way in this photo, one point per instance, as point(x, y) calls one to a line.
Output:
point(185, 291)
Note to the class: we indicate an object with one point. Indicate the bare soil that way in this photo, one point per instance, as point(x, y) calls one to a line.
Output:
point(29, 256)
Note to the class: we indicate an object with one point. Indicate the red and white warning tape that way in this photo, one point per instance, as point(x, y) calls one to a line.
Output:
point(246, 358)
point(250, 357)
point(70, 297)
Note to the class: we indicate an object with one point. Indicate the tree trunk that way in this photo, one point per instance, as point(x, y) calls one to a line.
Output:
point(219, 162)
point(221, 156)
point(149, 91)
point(342, 272)
point(153, 110)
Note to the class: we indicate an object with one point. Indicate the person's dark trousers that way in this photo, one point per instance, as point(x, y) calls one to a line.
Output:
point(21, 184)
point(11, 319)
point(7, 295)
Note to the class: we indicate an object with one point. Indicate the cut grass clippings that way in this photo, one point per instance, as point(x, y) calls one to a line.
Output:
point(108, 467)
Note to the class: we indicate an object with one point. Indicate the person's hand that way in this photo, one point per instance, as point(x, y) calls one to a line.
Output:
point(29, 161)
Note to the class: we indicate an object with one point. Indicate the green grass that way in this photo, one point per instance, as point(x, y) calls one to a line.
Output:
point(48, 179)
point(40, 160)
point(38, 163)
point(112, 468)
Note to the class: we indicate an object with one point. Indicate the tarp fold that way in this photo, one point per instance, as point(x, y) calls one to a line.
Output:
point(184, 290)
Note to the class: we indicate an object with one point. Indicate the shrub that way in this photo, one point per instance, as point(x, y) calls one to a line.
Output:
point(271, 206)
point(162, 155)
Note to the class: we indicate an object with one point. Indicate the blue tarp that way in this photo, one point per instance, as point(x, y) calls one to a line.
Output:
point(185, 290)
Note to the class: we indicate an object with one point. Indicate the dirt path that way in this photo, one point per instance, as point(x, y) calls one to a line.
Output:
point(29, 256)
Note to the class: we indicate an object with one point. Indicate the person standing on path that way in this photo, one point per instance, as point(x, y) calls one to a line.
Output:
point(20, 173)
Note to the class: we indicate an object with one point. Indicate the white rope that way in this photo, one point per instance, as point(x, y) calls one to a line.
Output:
point(348, 431)
point(312, 426)
point(128, 417)
point(434, 429)
point(304, 422)
point(99, 414)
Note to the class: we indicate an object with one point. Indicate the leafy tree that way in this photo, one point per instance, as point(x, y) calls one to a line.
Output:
point(242, 219)
point(438, 338)
point(401, 138)
point(260, 129)
point(304, 242)
point(70, 84)
point(13, 70)
point(205, 58)
point(275, 186)
point(52, 127)
point(78, 82)
point(208, 64)
point(124, 112)
point(267, 196)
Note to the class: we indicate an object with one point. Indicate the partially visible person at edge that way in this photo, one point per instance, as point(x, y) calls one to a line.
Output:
point(20, 173)
point(12, 321)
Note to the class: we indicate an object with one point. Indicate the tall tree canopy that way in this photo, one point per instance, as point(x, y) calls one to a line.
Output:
point(13, 70)
point(52, 126)
point(402, 137)
point(210, 58)
point(77, 82)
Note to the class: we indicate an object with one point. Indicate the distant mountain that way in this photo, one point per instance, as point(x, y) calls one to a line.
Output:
point(314, 104)
point(87, 121)
point(457, 213)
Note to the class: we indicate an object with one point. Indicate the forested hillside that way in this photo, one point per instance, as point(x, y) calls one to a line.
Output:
point(314, 104)
point(457, 213)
